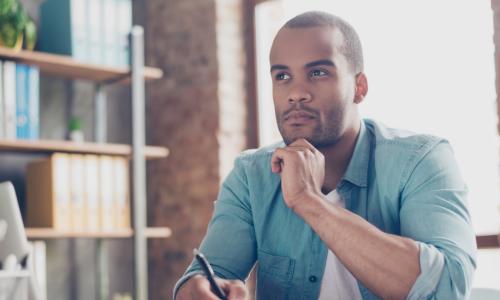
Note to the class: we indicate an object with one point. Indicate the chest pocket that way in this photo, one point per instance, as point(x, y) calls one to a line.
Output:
point(274, 276)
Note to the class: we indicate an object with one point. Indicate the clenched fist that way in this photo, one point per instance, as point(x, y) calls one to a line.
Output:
point(302, 171)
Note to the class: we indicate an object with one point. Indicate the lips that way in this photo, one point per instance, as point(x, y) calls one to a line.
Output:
point(298, 117)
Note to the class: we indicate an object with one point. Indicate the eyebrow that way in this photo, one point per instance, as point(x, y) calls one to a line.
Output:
point(279, 67)
point(321, 62)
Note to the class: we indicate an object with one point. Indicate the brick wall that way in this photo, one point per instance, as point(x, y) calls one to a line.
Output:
point(201, 111)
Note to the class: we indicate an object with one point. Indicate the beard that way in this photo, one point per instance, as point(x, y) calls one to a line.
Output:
point(325, 133)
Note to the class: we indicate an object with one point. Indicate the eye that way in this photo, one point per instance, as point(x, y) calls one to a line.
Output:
point(282, 76)
point(317, 73)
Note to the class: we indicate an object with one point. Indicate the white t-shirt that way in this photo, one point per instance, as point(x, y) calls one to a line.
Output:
point(338, 283)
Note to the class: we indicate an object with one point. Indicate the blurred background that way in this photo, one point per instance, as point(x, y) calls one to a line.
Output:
point(431, 66)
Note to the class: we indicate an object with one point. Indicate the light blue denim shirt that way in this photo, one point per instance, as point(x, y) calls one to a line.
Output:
point(403, 183)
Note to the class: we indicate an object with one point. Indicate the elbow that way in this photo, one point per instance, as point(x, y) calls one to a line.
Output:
point(452, 280)
point(456, 280)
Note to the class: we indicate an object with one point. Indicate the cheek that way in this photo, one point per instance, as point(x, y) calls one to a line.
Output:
point(279, 97)
point(278, 92)
point(348, 89)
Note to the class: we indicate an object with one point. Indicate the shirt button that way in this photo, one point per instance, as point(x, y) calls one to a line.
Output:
point(313, 278)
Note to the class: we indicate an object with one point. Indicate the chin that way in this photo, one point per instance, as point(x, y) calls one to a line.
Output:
point(315, 141)
point(289, 140)
point(293, 135)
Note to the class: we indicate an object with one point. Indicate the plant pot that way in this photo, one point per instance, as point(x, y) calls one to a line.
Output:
point(17, 45)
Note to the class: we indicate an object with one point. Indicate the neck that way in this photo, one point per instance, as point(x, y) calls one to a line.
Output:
point(338, 156)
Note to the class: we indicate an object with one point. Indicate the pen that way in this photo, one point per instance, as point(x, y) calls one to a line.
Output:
point(209, 272)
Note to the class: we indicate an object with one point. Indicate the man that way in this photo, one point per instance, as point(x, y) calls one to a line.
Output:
point(345, 208)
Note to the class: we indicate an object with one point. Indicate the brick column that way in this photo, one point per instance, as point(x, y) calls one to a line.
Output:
point(201, 111)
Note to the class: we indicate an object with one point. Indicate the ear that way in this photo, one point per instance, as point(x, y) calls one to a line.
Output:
point(361, 88)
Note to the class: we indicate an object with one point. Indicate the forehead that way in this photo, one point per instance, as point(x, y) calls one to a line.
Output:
point(303, 45)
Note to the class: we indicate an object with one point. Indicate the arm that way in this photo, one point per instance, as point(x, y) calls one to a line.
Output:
point(434, 212)
point(387, 264)
point(229, 244)
point(393, 267)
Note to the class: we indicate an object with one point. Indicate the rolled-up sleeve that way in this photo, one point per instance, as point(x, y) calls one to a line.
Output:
point(229, 244)
point(434, 213)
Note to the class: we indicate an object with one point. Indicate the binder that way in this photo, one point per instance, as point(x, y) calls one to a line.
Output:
point(33, 103)
point(91, 193)
point(9, 99)
point(106, 193)
point(122, 195)
point(78, 218)
point(48, 193)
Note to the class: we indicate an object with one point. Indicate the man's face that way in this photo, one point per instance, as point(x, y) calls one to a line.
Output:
point(313, 85)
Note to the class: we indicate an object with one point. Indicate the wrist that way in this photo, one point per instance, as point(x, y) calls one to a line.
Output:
point(311, 204)
point(182, 283)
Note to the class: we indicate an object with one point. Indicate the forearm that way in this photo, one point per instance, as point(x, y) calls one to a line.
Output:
point(386, 264)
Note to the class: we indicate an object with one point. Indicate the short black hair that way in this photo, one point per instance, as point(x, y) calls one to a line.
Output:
point(351, 49)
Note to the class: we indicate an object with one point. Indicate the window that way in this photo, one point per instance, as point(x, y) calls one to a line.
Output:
point(430, 68)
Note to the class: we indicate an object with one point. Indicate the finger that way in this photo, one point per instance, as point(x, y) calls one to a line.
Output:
point(277, 160)
point(235, 289)
point(299, 149)
point(202, 289)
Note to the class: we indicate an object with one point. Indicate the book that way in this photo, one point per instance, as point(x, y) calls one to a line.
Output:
point(9, 99)
point(95, 33)
point(21, 101)
point(124, 26)
point(48, 193)
point(109, 29)
point(121, 193)
point(91, 192)
point(33, 103)
point(63, 28)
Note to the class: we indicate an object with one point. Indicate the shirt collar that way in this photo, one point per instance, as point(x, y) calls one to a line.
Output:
point(357, 170)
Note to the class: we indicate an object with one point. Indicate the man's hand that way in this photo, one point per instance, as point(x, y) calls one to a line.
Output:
point(198, 288)
point(302, 171)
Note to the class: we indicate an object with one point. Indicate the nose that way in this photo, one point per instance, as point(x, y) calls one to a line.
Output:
point(298, 94)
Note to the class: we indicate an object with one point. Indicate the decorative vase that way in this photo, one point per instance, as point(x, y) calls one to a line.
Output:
point(14, 42)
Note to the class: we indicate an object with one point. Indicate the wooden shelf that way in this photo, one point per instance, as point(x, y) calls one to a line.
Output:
point(488, 241)
point(49, 146)
point(65, 66)
point(49, 233)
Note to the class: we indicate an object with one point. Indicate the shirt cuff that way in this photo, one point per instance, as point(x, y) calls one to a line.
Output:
point(431, 268)
point(183, 280)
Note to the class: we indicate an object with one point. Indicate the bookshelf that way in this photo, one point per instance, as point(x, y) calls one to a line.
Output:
point(49, 233)
point(49, 146)
point(68, 68)
point(64, 66)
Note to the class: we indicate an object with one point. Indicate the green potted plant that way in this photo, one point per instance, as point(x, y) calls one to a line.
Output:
point(16, 24)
